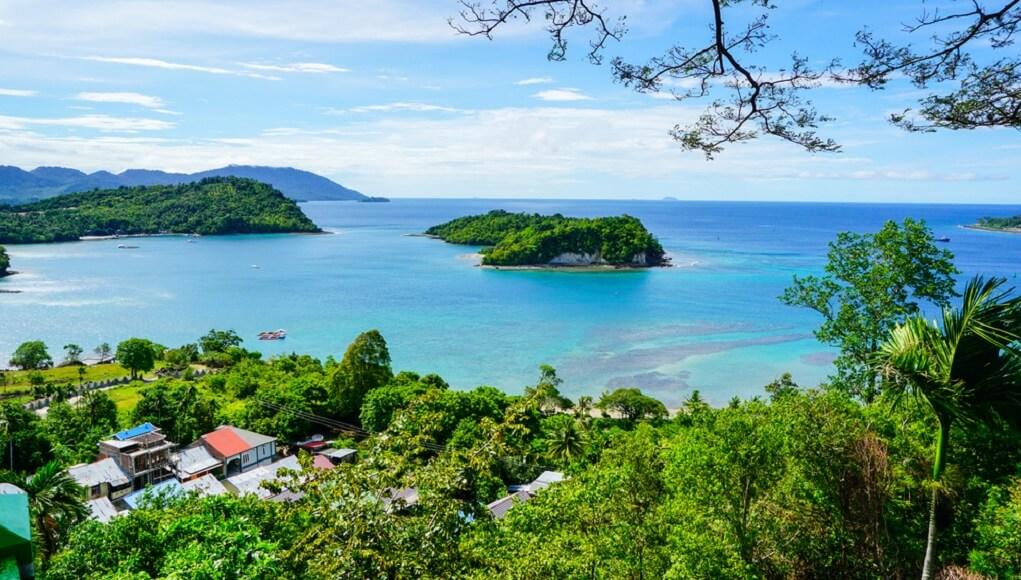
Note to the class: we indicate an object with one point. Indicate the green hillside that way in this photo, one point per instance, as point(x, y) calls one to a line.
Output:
point(219, 205)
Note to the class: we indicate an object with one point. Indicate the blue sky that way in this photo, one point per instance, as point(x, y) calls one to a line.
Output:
point(384, 97)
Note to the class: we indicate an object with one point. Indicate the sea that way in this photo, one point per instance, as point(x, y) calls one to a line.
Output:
point(712, 322)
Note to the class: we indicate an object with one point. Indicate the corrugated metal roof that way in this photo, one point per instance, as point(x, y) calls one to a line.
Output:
point(135, 431)
point(102, 471)
point(251, 481)
point(338, 454)
point(101, 509)
point(205, 485)
point(500, 507)
point(195, 459)
point(170, 487)
point(229, 441)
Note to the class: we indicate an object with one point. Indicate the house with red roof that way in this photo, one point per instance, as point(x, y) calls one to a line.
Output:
point(239, 450)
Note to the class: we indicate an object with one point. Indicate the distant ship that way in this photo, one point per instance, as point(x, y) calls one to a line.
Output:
point(943, 239)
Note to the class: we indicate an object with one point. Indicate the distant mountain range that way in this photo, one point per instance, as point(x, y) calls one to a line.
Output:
point(20, 186)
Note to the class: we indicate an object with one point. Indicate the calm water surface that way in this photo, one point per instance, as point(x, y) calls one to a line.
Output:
point(712, 323)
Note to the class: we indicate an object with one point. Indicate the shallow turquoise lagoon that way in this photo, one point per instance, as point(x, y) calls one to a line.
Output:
point(712, 322)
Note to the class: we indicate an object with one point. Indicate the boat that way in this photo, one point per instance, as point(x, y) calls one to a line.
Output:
point(125, 247)
point(943, 239)
point(256, 267)
point(279, 334)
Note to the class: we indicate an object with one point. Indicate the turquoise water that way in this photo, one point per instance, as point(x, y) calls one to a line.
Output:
point(712, 322)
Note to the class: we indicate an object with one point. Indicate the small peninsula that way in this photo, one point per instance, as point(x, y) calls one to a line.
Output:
point(999, 224)
point(216, 205)
point(5, 262)
point(537, 241)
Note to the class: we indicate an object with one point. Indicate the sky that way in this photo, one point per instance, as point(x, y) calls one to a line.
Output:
point(385, 97)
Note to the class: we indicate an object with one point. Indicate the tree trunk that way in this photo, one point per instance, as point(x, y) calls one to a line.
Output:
point(929, 567)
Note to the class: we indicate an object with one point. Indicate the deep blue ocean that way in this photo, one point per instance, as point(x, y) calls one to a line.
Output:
point(712, 322)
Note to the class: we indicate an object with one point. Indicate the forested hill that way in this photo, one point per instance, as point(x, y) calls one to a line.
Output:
point(520, 239)
point(219, 205)
point(20, 186)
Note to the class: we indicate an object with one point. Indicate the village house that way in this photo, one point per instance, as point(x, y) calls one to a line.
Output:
point(239, 450)
point(101, 479)
point(142, 452)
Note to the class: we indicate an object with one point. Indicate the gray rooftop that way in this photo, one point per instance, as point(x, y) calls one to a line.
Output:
point(205, 485)
point(251, 481)
point(338, 454)
point(102, 471)
point(500, 507)
point(194, 459)
point(101, 509)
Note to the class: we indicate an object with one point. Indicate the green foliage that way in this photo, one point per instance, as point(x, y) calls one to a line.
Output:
point(219, 341)
point(967, 371)
point(181, 409)
point(631, 405)
point(365, 366)
point(218, 205)
point(31, 355)
point(75, 429)
point(138, 355)
point(72, 354)
point(532, 239)
point(872, 283)
point(1000, 223)
point(216, 537)
point(997, 550)
point(25, 446)
point(55, 503)
point(5, 262)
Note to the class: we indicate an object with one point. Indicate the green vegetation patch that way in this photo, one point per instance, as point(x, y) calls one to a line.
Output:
point(1000, 223)
point(5, 262)
point(220, 205)
point(519, 239)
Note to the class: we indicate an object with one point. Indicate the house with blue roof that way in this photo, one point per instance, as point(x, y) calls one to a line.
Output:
point(15, 534)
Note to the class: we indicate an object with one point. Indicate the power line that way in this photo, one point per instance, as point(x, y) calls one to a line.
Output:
point(332, 423)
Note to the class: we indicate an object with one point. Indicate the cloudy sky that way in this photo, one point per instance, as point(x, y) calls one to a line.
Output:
point(385, 97)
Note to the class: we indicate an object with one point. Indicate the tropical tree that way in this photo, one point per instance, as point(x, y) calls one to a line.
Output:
point(565, 442)
point(365, 366)
point(632, 405)
point(967, 370)
point(55, 502)
point(103, 351)
point(31, 355)
point(872, 282)
point(137, 355)
point(72, 354)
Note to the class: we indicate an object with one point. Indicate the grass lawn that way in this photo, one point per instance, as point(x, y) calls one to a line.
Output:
point(20, 379)
point(126, 398)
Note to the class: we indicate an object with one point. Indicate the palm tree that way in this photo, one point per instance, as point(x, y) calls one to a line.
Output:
point(55, 502)
point(566, 442)
point(967, 370)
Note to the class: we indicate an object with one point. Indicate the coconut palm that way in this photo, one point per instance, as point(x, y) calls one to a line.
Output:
point(55, 502)
point(566, 442)
point(967, 370)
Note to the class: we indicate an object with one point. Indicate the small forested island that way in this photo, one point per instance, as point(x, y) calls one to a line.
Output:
point(533, 240)
point(1000, 224)
point(217, 205)
point(5, 262)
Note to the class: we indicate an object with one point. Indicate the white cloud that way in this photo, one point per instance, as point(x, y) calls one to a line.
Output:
point(102, 123)
point(16, 93)
point(534, 81)
point(391, 107)
point(297, 67)
point(157, 63)
point(565, 95)
point(517, 152)
point(139, 99)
